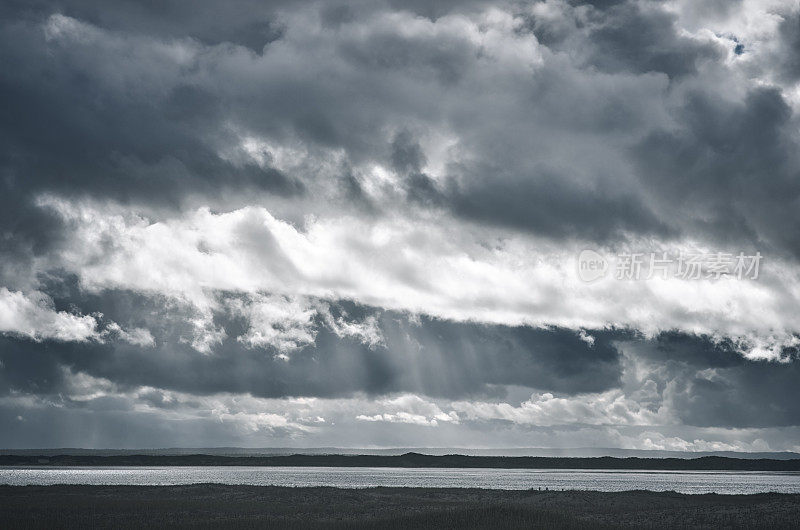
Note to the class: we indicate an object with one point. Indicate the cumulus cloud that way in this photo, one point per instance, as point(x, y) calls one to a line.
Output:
point(410, 409)
point(610, 408)
point(436, 270)
point(137, 336)
point(274, 321)
point(34, 317)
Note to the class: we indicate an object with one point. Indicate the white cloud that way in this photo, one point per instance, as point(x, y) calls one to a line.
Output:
point(33, 316)
point(367, 331)
point(136, 336)
point(409, 408)
point(399, 417)
point(433, 266)
point(607, 408)
point(275, 321)
point(652, 440)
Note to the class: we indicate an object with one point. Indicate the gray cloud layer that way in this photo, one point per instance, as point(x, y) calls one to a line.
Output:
point(511, 125)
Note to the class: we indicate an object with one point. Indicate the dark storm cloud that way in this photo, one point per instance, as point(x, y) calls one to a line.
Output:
point(408, 159)
point(434, 9)
point(709, 384)
point(758, 394)
point(444, 59)
point(704, 383)
point(790, 47)
point(538, 202)
point(697, 351)
point(248, 23)
point(432, 357)
point(729, 170)
point(67, 128)
point(108, 118)
point(634, 40)
point(729, 162)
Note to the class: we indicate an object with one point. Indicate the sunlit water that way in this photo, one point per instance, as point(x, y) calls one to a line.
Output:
point(363, 477)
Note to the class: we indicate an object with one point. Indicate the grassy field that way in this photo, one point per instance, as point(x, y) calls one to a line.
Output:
point(219, 506)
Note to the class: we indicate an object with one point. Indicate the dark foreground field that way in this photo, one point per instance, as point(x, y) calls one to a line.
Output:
point(216, 506)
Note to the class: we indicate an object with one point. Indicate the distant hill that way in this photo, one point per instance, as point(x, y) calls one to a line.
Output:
point(412, 460)
point(396, 451)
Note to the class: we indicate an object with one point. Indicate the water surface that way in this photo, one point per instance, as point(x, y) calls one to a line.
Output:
point(362, 477)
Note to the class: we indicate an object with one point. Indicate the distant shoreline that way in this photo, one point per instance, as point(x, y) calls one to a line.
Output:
point(413, 460)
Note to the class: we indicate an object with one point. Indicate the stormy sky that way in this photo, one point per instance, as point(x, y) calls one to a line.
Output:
point(360, 223)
